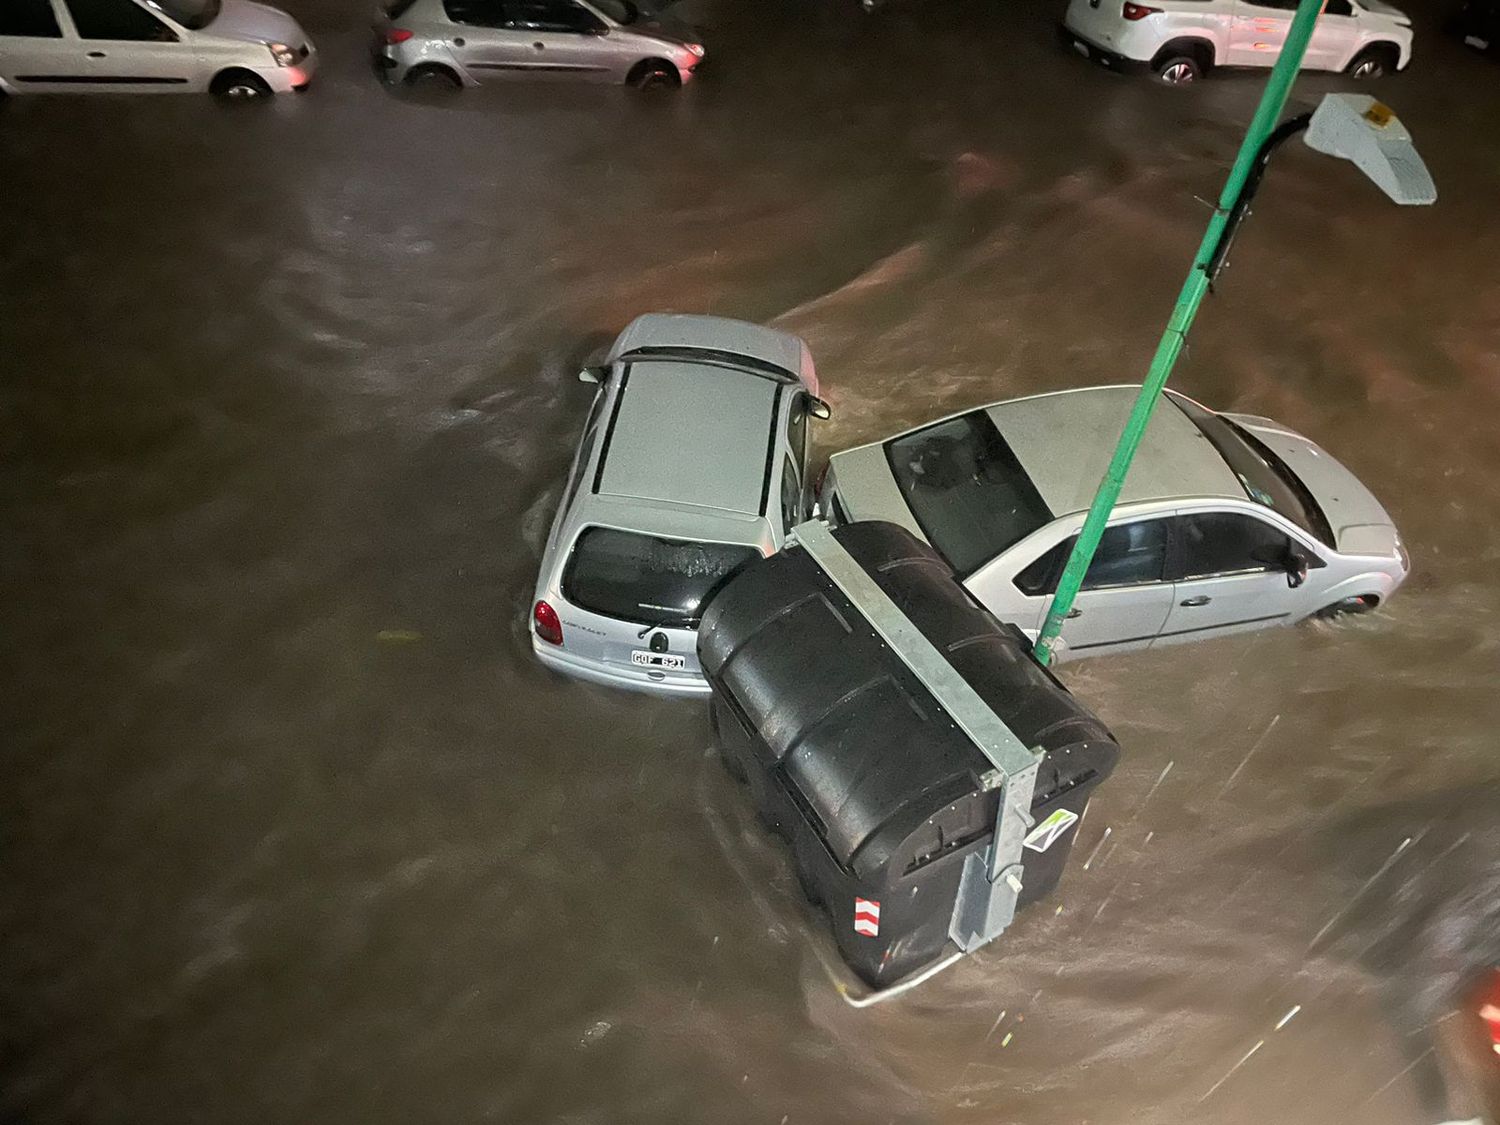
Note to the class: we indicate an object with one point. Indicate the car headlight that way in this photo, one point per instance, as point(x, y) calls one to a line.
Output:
point(283, 54)
point(694, 49)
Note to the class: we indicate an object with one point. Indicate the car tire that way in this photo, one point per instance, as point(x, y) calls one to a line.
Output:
point(239, 86)
point(1348, 607)
point(1177, 70)
point(1372, 62)
point(654, 74)
point(434, 76)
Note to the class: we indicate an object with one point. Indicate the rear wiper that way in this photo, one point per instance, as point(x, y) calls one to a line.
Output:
point(669, 623)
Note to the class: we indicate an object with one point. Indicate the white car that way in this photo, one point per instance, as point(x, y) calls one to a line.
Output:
point(1181, 40)
point(1226, 522)
point(233, 48)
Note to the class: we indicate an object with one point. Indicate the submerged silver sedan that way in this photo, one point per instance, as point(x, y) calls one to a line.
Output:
point(1226, 523)
point(465, 42)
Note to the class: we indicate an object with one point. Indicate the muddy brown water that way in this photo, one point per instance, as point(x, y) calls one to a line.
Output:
point(292, 827)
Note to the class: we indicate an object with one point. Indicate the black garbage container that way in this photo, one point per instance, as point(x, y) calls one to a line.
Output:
point(850, 757)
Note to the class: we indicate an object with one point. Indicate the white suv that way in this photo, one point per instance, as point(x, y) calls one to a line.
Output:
point(1180, 40)
point(234, 48)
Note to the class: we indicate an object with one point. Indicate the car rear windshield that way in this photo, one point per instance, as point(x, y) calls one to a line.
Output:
point(966, 489)
point(653, 581)
point(1265, 477)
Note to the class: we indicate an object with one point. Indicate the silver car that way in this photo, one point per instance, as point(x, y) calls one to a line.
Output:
point(1226, 523)
point(232, 48)
point(691, 465)
point(465, 42)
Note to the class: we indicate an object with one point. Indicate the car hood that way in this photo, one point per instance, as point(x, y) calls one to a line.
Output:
point(1361, 525)
point(256, 23)
point(659, 25)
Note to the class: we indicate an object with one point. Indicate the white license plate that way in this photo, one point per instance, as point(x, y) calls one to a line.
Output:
point(665, 660)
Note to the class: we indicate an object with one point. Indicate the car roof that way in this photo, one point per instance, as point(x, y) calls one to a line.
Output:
point(1064, 441)
point(690, 434)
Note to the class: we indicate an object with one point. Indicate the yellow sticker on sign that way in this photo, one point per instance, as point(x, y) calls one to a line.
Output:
point(1380, 115)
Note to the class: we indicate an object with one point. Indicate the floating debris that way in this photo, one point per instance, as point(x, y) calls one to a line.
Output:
point(398, 636)
point(1097, 846)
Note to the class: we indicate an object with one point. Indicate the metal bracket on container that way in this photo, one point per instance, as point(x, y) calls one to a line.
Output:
point(991, 881)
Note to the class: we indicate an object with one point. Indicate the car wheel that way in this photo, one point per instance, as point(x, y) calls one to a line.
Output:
point(1178, 70)
point(1373, 62)
point(239, 86)
point(434, 76)
point(653, 74)
point(1347, 607)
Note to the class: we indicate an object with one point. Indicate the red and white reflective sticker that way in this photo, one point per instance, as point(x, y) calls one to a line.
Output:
point(867, 917)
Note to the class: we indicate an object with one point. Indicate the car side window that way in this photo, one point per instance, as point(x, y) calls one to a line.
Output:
point(118, 20)
point(796, 428)
point(551, 15)
point(1129, 554)
point(1338, 8)
point(791, 495)
point(29, 19)
point(476, 13)
point(585, 448)
point(1214, 543)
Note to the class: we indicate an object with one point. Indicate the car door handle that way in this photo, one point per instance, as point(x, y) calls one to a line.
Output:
point(458, 42)
point(96, 54)
point(1072, 613)
point(1191, 603)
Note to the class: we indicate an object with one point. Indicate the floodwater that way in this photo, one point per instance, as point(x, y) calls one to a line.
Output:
point(293, 828)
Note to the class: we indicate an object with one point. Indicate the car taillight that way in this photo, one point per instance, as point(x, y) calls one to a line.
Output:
point(1489, 1009)
point(1138, 11)
point(548, 627)
point(398, 35)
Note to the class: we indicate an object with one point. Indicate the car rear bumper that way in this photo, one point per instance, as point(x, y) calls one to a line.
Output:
point(612, 675)
point(1095, 53)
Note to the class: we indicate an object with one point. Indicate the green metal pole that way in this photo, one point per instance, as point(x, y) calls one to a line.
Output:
point(1172, 340)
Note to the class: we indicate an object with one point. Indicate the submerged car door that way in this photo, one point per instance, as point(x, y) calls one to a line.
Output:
point(483, 42)
point(1334, 37)
point(1259, 31)
point(34, 52)
point(560, 39)
point(1125, 597)
point(126, 47)
point(1226, 576)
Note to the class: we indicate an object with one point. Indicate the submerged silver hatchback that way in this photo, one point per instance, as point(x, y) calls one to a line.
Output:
point(466, 42)
point(692, 464)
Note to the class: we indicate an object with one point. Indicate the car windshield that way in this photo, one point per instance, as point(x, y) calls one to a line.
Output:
point(1265, 477)
point(191, 14)
point(623, 12)
point(966, 489)
point(642, 578)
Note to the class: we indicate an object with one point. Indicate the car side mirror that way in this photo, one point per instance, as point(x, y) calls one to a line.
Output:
point(593, 374)
point(818, 408)
point(599, 31)
point(1296, 564)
